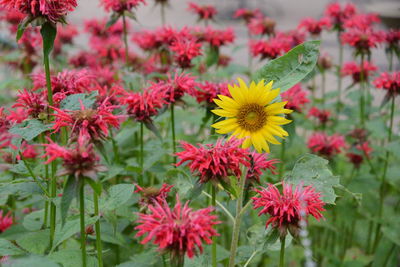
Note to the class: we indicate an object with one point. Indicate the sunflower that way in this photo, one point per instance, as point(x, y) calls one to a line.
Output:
point(251, 115)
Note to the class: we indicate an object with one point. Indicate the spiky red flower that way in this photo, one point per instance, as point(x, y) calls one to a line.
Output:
point(34, 103)
point(98, 28)
point(326, 145)
point(218, 38)
point(389, 82)
point(208, 91)
point(296, 98)
point(321, 114)
point(151, 194)
point(65, 35)
point(339, 14)
point(261, 26)
point(287, 209)
point(179, 231)
point(315, 27)
point(214, 162)
point(204, 12)
point(392, 39)
point(93, 123)
point(361, 21)
point(5, 221)
point(259, 163)
point(271, 48)
point(247, 14)
point(362, 40)
point(12, 16)
point(356, 71)
point(17, 115)
point(174, 88)
point(185, 50)
point(53, 10)
point(143, 106)
point(119, 6)
point(78, 159)
point(357, 154)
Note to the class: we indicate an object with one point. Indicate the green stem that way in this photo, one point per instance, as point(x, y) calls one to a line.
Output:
point(125, 39)
point(46, 178)
point(282, 253)
point(82, 221)
point(282, 158)
point(115, 147)
point(48, 79)
point(141, 156)
point(238, 218)
point(388, 255)
point(383, 180)
point(323, 77)
point(33, 175)
point(98, 230)
point(391, 61)
point(214, 238)
point(173, 131)
point(53, 194)
point(338, 104)
point(362, 99)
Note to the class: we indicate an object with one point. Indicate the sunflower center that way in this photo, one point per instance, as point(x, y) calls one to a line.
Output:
point(252, 117)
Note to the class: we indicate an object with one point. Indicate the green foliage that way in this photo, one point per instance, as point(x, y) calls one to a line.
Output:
point(70, 192)
point(291, 68)
point(29, 129)
point(7, 248)
point(34, 220)
point(48, 32)
point(71, 258)
point(73, 102)
point(313, 170)
point(35, 242)
point(118, 196)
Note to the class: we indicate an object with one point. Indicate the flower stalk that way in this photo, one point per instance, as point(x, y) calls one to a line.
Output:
point(98, 230)
point(82, 220)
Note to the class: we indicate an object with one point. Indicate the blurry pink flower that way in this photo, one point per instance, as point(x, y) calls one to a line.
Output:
point(392, 39)
point(261, 26)
point(247, 14)
point(326, 145)
point(184, 51)
point(339, 14)
point(204, 12)
point(321, 114)
point(389, 82)
point(362, 40)
point(296, 98)
point(179, 231)
point(315, 27)
point(356, 72)
point(361, 21)
point(119, 6)
point(5, 221)
point(208, 91)
point(271, 48)
point(357, 154)
point(218, 38)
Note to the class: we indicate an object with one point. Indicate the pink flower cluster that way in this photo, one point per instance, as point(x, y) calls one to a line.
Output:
point(326, 145)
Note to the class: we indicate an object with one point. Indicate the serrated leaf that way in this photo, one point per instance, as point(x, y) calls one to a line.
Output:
point(34, 220)
point(291, 68)
point(69, 193)
point(119, 195)
point(35, 242)
point(48, 32)
point(73, 102)
point(7, 248)
point(313, 170)
point(29, 129)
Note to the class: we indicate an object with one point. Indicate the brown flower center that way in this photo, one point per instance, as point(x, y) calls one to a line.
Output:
point(82, 115)
point(252, 117)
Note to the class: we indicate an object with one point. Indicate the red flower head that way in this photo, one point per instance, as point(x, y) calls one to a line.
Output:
point(147, 40)
point(175, 87)
point(119, 6)
point(65, 35)
point(34, 103)
point(356, 72)
point(184, 51)
point(179, 231)
point(258, 164)
point(83, 59)
point(214, 162)
point(17, 115)
point(321, 114)
point(207, 91)
point(78, 159)
point(143, 106)
point(271, 49)
point(358, 153)
point(5, 221)
point(12, 16)
point(389, 82)
point(28, 151)
point(98, 28)
point(205, 12)
point(392, 38)
point(219, 38)
point(109, 49)
point(151, 194)
point(293, 37)
point(92, 123)
point(247, 14)
point(296, 98)
point(361, 21)
point(362, 40)
point(315, 27)
point(52, 10)
point(287, 209)
point(326, 145)
point(261, 26)
point(339, 14)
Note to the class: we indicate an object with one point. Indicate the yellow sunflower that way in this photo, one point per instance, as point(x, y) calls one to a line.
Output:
point(251, 115)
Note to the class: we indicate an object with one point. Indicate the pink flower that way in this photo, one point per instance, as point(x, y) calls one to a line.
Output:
point(315, 27)
point(17, 115)
point(98, 28)
point(174, 88)
point(78, 159)
point(326, 145)
point(207, 91)
point(261, 26)
point(247, 14)
point(184, 51)
point(271, 48)
point(151, 194)
point(339, 14)
point(179, 231)
point(119, 6)
point(5, 221)
point(296, 98)
point(389, 82)
point(65, 35)
point(92, 123)
point(356, 72)
point(321, 114)
point(214, 162)
point(361, 21)
point(34, 103)
point(358, 153)
point(53, 10)
point(287, 209)
point(204, 12)
point(392, 39)
point(362, 40)
point(218, 38)
point(258, 164)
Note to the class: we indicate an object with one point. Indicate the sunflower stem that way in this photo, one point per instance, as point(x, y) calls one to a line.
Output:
point(98, 230)
point(282, 253)
point(82, 221)
point(173, 132)
point(214, 238)
point(238, 218)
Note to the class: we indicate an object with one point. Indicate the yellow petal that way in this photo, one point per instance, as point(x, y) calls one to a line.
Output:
point(224, 123)
point(223, 113)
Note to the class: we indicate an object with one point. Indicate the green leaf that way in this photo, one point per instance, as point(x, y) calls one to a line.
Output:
point(113, 19)
point(73, 102)
point(35, 242)
point(48, 32)
point(119, 195)
point(29, 129)
point(313, 170)
point(96, 186)
point(69, 193)
point(7, 248)
point(144, 259)
point(22, 27)
point(34, 260)
point(71, 258)
point(34, 220)
point(291, 68)
point(212, 56)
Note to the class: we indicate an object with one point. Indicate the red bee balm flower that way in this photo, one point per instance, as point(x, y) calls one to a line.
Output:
point(179, 231)
point(326, 145)
point(247, 14)
point(362, 40)
point(175, 87)
point(259, 163)
point(204, 12)
point(287, 209)
point(151, 194)
point(315, 27)
point(78, 160)
point(339, 14)
point(296, 98)
point(53, 10)
point(5, 221)
point(321, 114)
point(34, 104)
point(185, 50)
point(355, 70)
point(261, 26)
point(120, 6)
point(389, 82)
